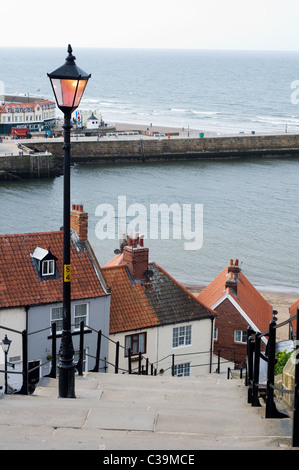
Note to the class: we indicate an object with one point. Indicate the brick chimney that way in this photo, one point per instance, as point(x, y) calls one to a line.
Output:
point(233, 275)
point(79, 221)
point(135, 256)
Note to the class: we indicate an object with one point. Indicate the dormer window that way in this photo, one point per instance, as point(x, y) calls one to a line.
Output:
point(45, 262)
point(48, 267)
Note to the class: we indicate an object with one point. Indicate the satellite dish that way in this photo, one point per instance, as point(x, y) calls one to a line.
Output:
point(117, 251)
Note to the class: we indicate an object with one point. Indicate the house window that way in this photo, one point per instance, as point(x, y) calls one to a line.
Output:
point(48, 267)
point(57, 317)
point(215, 334)
point(181, 336)
point(240, 336)
point(182, 370)
point(80, 314)
point(137, 344)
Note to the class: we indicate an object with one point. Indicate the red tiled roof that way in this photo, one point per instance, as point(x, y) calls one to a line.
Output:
point(247, 298)
point(20, 285)
point(158, 301)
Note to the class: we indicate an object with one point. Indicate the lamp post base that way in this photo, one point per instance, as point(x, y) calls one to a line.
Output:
point(66, 388)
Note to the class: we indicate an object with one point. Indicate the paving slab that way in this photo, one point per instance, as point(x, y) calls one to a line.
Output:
point(131, 412)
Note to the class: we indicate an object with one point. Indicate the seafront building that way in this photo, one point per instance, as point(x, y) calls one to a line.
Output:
point(36, 114)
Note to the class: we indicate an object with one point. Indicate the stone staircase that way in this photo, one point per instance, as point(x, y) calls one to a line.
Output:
point(131, 412)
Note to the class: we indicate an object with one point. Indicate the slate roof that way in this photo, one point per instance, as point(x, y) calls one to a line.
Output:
point(160, 300)
point(20, 284)
point(247, 297)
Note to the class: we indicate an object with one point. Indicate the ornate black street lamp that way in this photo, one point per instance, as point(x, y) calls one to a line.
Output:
point(5, 346)
point(68, 83)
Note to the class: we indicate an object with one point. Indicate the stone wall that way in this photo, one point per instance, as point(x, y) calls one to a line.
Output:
point(30, 166)
point(144, 149)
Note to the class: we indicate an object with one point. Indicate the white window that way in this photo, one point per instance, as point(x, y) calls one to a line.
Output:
point(215, 333)
point(240, 336)
point(181, 336)
point(181, 370)
point(48, 267)
point(80, 314)
point(57, 317)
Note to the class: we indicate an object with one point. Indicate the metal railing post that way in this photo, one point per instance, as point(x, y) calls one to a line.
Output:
point(81, 347)
point(129, 361)
point(24, 389)
point(52, 372)
point(250, 350)
point(295, 436)
point(116, 357)
point(271, 410)
point(97, 362)
point(139, 363)
point(256, 372)
point(172, 366)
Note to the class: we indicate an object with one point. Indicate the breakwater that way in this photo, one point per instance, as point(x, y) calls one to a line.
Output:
point(143, 149)
point(29, 166)
point(44, 158)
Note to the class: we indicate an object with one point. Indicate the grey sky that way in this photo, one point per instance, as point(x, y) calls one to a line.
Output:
point(188, 24)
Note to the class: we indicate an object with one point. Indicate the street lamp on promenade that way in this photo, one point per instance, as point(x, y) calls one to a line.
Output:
point(5, 346)
point(68, 84)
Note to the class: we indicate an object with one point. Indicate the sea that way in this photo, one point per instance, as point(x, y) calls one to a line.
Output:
point(233, 209)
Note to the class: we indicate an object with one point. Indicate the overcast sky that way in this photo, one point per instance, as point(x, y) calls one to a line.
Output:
point(186, 24)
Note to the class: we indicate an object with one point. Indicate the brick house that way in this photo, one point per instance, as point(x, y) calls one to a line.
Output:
point(31, 292)
point(151, 313)
point(238, 305)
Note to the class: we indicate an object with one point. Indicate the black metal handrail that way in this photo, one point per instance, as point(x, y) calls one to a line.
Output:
point(253, 371)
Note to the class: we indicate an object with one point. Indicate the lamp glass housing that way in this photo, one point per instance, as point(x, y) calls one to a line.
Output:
point(68, 84)
point(5, 344)
point(68, 92)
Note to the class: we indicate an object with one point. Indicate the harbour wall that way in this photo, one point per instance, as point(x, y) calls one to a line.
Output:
point(171, 149)
point(45, 156)
point(29, 166)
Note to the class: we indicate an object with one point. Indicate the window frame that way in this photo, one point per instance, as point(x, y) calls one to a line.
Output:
point(82, 317)
point(181, 337)
point(184, 367)
point(48, 263)
point(131, 337)
point(58, 321)
point(242, 335)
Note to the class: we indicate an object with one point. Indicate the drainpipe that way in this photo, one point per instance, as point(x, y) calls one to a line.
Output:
point(212, 343)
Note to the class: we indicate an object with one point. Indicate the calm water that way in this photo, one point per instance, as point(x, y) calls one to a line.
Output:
point(250, 208)
point(250, 212)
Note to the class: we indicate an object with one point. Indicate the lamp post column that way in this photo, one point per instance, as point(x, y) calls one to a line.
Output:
point(66, 365)
point(5, 373)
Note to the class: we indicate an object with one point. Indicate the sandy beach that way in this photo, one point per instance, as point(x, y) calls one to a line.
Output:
point(183, 131)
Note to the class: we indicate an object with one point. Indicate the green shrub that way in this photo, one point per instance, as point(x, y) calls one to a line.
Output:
point(282, 358)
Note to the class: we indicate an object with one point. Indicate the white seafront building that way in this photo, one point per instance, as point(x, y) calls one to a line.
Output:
point(37, 114)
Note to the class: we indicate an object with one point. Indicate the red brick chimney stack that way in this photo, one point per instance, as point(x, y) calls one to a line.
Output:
point(233, 275)
point(79, 221)
point(135, 256)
